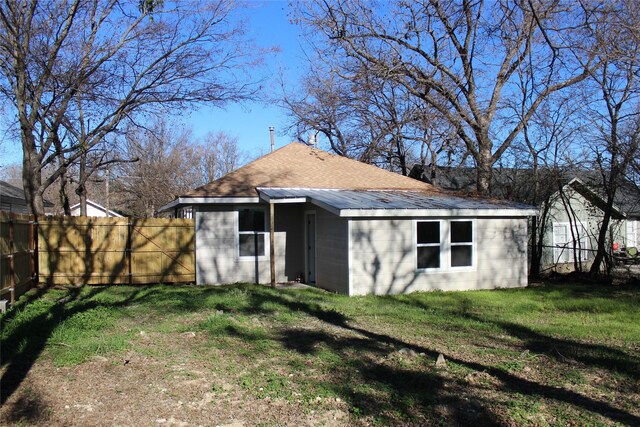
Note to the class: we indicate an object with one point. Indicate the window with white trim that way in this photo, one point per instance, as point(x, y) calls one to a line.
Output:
point(428, 233)
point(633, 234)
point(461, 238)
point(252, 230)
point(563, 242)
point(442, 245)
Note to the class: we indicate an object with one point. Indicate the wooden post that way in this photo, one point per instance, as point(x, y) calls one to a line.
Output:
point(12, 280)
point(33, 238)
point(128, 251)
point(272, 244)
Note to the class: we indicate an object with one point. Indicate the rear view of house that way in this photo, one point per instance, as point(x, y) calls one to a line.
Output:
point(351, 228)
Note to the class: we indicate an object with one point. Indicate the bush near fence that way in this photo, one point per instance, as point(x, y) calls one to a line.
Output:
point(86, 250)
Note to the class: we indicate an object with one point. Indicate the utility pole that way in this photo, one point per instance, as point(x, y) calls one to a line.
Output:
point(106, 188)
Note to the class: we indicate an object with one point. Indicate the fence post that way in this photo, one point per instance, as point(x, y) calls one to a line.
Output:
point(33, 249)
point(12, 280)
point(128, 250)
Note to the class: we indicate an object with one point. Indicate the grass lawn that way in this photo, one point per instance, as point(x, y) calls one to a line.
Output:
point(554, 354)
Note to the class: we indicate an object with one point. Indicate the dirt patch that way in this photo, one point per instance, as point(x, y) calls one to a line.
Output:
point(164, 380)
point(138, 389)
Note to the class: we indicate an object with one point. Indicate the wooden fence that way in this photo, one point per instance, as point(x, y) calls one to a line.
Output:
point(18, 255)
point(82, 250)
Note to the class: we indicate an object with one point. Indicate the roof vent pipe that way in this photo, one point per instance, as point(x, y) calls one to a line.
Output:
point(273, 144)
point(312, 140)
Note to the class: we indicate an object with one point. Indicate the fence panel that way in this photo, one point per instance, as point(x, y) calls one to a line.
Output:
point(83, 250)
point(17, 257)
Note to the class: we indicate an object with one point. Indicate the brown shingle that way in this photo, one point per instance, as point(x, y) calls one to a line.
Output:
point(299, 166)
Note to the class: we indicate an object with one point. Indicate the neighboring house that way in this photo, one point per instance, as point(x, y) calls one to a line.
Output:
point(94, 209)
point(12, 199)
point(351, 228)
point(574, 220)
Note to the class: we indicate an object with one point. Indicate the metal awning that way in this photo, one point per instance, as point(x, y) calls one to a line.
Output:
point(354, 203)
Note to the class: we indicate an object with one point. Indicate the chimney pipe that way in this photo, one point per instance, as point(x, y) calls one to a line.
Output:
point(273, 145)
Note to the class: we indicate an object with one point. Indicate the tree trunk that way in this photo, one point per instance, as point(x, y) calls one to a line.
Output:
point(64, 198)
point(31, 175)
point(81, 190)
point(484, 164)
point(602, 237)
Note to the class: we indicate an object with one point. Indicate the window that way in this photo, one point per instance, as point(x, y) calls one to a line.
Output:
point(442, 245)
point(461, 244)
point(251, 232)
point(633, 233)
point(563, 248)
point(429, 244)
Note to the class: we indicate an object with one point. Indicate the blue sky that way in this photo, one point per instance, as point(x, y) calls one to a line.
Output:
point(269, 26)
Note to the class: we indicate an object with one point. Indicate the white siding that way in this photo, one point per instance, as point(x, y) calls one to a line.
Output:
point(384, 257)
point(217, 260)
point(576, 212)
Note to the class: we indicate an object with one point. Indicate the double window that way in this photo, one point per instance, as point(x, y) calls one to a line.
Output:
point(569, 240)
point(252, 229)
point(444, 244)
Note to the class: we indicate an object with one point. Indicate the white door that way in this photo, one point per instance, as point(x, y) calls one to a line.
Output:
point(311, 248)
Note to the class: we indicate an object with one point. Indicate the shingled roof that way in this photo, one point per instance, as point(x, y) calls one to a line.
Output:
point(297, 165)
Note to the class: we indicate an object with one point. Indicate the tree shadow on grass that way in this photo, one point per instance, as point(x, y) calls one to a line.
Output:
point(23, 345)
point(561, 349)
point(400, 382)
point(395, 390)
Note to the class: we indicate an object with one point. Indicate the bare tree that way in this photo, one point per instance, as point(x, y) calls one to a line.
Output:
point(461, 58)
point(161, 171)
point(217, 155)
point(618, 126)
point(69, 65)
point(364, 117)
point(170, 161)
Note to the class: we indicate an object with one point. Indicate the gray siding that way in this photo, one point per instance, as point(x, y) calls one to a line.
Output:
point(332, 251)
point(383, 257)
point(217, 260)
point(575, 209)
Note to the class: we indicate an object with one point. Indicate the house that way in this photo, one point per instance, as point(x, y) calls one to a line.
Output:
point(94, 209)
point(12, 199)
point(302, 213)
point(574, 219)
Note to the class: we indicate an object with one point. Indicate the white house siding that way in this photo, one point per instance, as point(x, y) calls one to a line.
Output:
point(383, 259)
point(577, 212)
point(332, 251)
point(94, 210)
point(217, 260)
